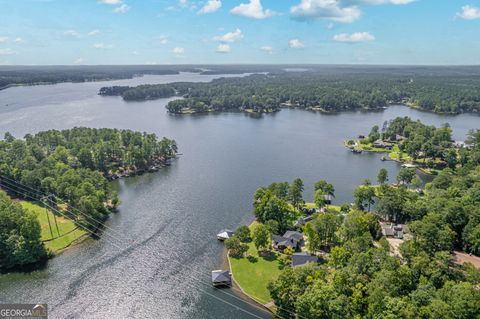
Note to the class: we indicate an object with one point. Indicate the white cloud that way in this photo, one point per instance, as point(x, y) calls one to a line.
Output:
point(469, 13)
point(110, 1)
point(253, 9)
point(178, 51)
point(326, 9)
point(230, 36)
point(122, 8)
point(3, 39)
point(135, 53)
point(102, 46)
point(79, 61)
point(71, 33)
point(267, 48)
point(354, 37)
point(210, 6)
point(345, 11)
point(93, 32)
point(19, 40)
point(163, 39)
point(183, 3)
point(7, 51)
point(295, 44)
point(223, 48)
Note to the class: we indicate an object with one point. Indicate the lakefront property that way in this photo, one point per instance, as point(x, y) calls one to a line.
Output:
point(293, 249)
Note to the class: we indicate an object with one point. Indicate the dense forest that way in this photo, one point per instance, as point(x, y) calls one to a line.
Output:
point(75, 165)
point(19, 235)
point(315, 90)
point(360, 273)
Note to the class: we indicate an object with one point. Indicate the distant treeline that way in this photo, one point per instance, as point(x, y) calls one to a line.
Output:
point(314, 90)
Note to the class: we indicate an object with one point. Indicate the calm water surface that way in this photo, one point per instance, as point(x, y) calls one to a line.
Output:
point(157, 261)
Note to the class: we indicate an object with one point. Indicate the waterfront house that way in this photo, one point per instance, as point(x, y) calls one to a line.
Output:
point(225, 234)
point(221, 278)
point(303, 258)
point(382, 144)
point(291, 238)
point(281, 243)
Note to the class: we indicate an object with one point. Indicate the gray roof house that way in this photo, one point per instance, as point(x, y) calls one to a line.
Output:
point(291, 238)
point(300, 259)
point(221, 278)
point(280, 242)
point(295, 235)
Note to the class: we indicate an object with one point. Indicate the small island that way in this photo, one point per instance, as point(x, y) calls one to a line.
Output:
point(375, 257)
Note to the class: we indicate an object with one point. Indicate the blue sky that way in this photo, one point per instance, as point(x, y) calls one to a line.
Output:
point(239, 31)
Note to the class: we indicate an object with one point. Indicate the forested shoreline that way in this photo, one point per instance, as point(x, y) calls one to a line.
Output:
point(264, 93)
point(389, 254)
point(74, 167)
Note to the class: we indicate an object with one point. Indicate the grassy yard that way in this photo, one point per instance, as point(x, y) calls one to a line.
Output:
point(253, 273)
point(312, 205)
point(66, 227)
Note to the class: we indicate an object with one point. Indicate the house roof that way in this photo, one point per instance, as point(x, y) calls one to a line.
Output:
point(303, 258)
point(280, 241)
point(292, 234)
point(221, 276)
point(225, 233)
point(304, 220)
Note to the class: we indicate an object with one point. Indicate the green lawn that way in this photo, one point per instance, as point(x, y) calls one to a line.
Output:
point(65, 226)
point(253, 274)
point(312, 205)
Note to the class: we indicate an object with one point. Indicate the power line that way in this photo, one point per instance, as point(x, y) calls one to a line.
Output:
point(124, 248)
point(120, 240)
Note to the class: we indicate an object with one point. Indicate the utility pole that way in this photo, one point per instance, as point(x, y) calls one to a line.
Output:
point(44, 199)
point(53, 213)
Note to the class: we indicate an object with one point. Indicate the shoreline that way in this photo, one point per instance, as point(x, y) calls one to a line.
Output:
point(244, 295)
point(387, 158)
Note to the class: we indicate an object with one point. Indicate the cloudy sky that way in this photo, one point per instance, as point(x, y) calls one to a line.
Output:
point(239, 31)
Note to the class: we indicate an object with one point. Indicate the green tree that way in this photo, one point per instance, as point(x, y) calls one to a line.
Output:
point(261, 237)
point(243, 234)
point(406, 175)
point(325, 187)
point(235, 247)
point(295, 193)
point(364, 197)
point(382, 176)
point(319, 198)
point(20, 243)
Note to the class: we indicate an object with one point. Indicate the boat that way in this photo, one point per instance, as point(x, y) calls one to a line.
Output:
point(409, 166)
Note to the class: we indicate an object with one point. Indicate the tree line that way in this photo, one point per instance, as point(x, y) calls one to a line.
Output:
point(316, 90)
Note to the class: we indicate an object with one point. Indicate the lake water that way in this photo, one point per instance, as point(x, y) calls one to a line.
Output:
point(156, 260)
